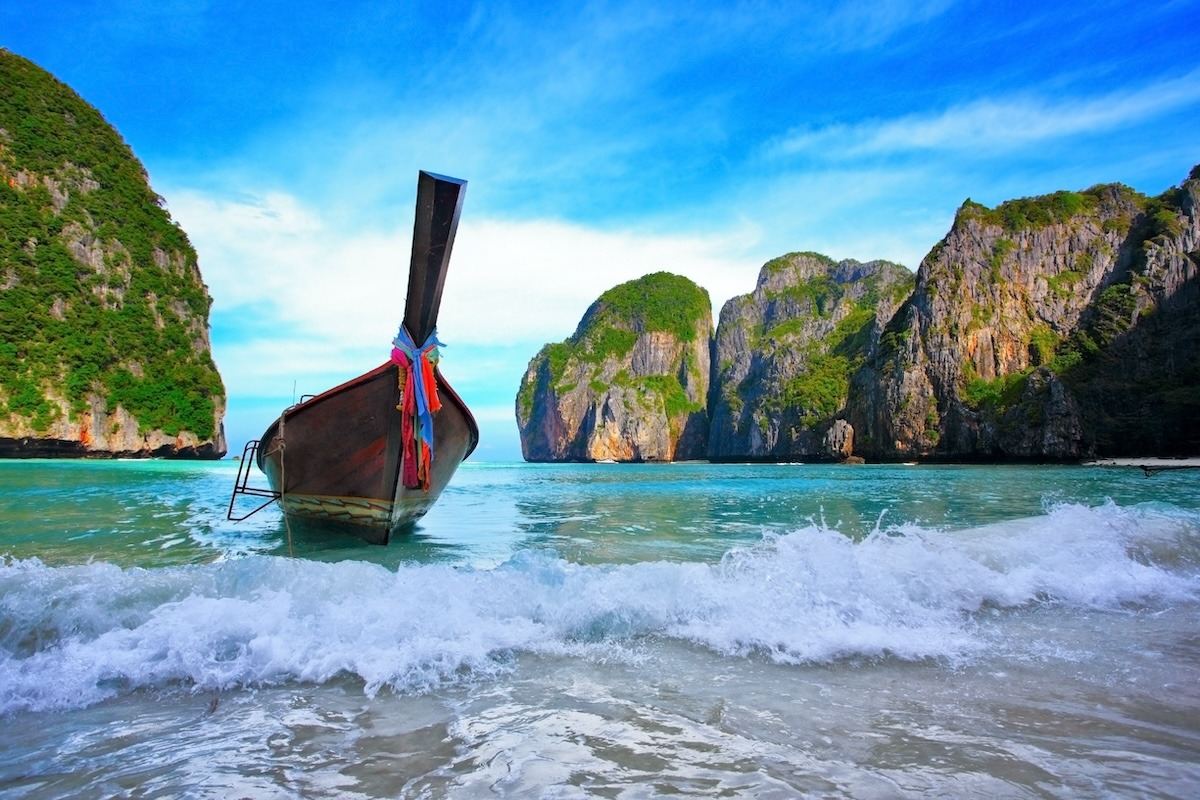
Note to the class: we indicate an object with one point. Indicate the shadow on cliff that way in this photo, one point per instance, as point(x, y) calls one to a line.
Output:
point(1137, 395)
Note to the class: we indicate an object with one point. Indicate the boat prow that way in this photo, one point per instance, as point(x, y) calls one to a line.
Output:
point(370, 457)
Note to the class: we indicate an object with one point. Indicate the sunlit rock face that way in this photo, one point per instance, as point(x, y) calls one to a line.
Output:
point(1050, 328)
point(630, 385)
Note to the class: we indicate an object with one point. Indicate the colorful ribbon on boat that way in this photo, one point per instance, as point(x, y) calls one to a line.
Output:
point(418, 400)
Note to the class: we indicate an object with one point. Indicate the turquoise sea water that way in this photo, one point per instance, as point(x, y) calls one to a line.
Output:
point(607, 631)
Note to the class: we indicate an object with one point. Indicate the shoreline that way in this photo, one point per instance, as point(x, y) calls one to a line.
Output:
point(1148, 465)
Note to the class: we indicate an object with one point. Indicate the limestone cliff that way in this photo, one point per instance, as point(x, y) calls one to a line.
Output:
point(1046, 329)
point(1055, 327)
point(1134, 362)
point(104, 344)
point(629, 385)
point(786, 351)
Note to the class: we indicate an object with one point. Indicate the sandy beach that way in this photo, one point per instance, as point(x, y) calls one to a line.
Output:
point(1148, 465)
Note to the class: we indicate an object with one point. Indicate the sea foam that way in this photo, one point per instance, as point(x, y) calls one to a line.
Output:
point(75, 635)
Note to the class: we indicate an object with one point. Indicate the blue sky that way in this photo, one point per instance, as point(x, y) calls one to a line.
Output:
point(601, 141)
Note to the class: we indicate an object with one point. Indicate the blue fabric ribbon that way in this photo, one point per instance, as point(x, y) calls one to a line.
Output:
point(427, 352)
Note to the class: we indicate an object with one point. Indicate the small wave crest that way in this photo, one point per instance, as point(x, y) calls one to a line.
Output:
point(72, 636)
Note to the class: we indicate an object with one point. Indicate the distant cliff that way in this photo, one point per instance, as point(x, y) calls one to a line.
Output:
point(785, 354)
point(1046, 329)
point(1055, 327)
point(629, 385)
point(104, 345)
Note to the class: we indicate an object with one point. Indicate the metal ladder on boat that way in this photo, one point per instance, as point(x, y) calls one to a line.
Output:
point(242, 487)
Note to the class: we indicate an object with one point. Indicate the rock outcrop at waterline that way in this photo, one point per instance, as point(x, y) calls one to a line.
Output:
point(629, 385)
point(1046, 329)
point(104, 344)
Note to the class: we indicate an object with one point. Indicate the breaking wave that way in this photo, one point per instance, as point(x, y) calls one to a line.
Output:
point(71, 636)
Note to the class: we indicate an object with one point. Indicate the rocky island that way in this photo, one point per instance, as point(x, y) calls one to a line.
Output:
point(631, 383)
point(104, 343)
point(1053, 328)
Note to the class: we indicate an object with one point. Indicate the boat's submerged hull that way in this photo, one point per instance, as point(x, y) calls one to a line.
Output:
point(335, 459)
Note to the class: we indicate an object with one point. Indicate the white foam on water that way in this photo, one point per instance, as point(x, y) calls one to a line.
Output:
point(73, 636)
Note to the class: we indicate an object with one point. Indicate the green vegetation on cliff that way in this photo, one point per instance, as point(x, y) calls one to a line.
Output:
point(638, 359)
point(99, 289)
point(814, 377)
point(820, 389)
point(656, 302)
point(610, 328)
point(1036, 212)
point(787, 261)
point(819, 292)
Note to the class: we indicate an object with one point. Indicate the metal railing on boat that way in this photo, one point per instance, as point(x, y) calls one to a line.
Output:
point(242, 487)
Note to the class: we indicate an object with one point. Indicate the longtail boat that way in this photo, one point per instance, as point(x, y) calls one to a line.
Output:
point(370, 457)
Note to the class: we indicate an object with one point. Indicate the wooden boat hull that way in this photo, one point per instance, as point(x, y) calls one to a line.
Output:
point(335, 459)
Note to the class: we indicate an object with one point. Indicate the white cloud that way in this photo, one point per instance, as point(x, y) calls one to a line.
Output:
point(532, 280)
point(276, 256)
point(989, 124)
point(274, 364)
point(510, 281)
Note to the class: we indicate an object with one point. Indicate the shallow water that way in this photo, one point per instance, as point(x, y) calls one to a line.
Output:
point(607, 631)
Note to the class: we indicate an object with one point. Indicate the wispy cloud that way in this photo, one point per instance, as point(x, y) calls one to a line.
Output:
point(857, 24)
point(532, 280)
point(522, 280)
point(989, 124)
